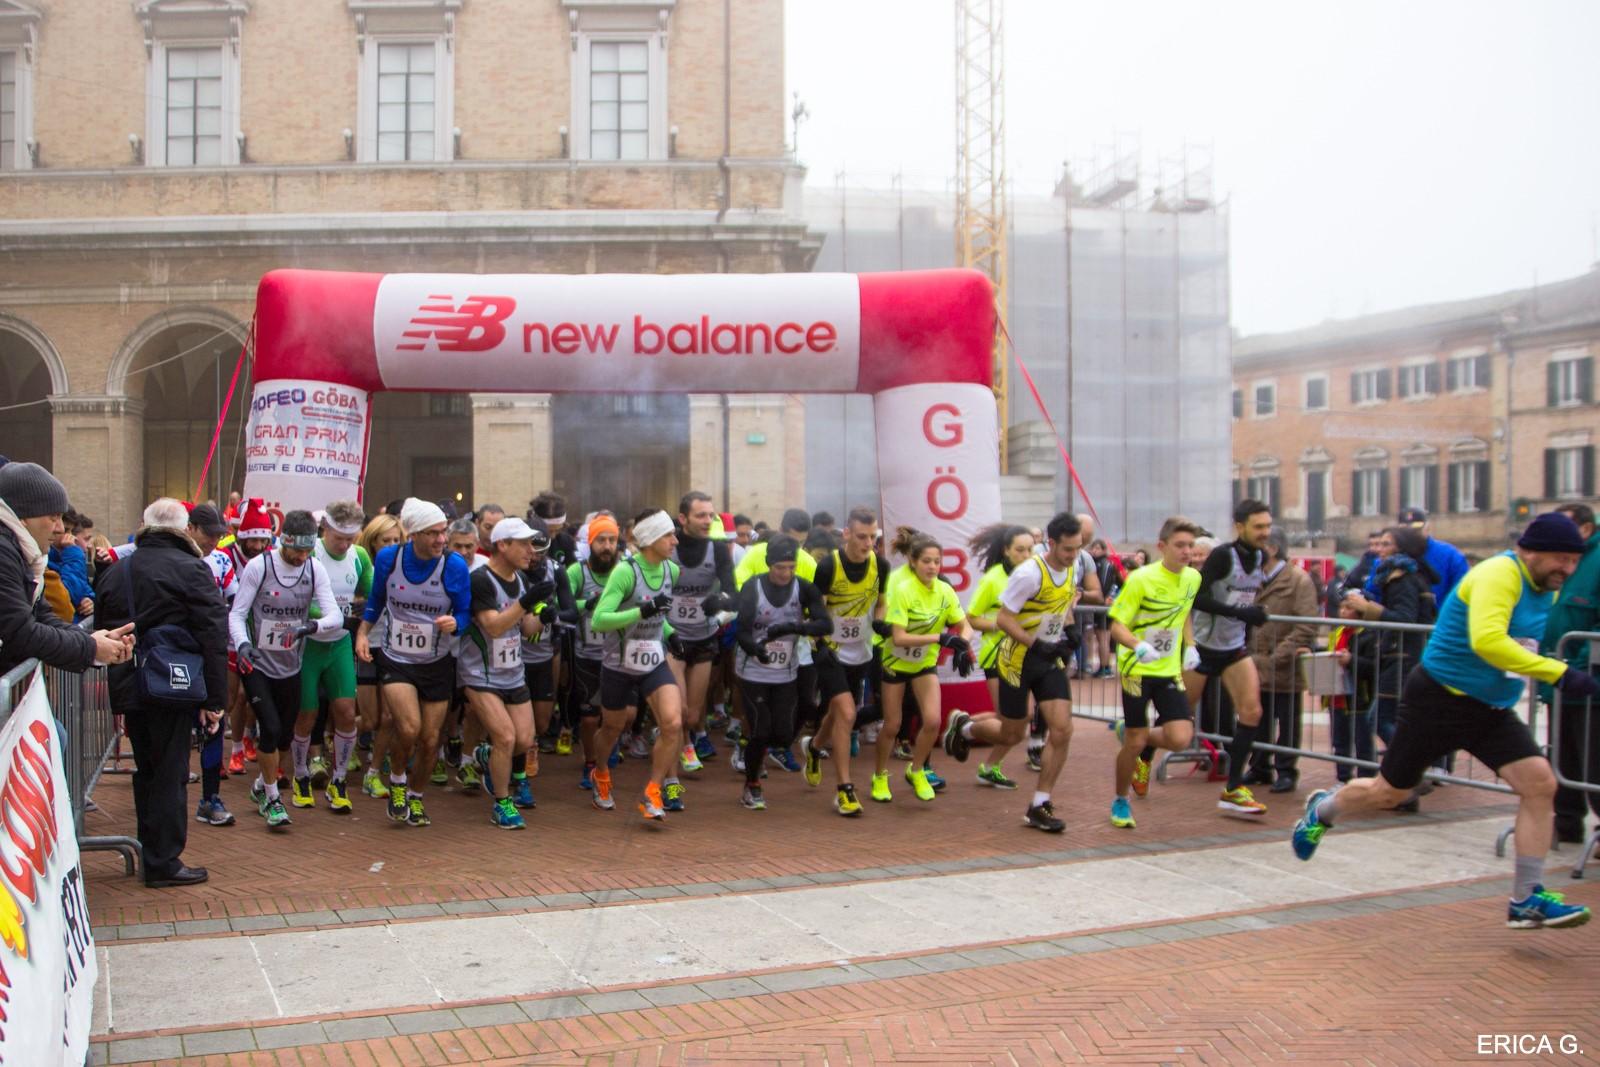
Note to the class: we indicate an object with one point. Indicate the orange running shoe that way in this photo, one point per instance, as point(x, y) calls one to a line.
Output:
point(236, 762)
point(601, 777)
point(250, 752)
point(650, 804)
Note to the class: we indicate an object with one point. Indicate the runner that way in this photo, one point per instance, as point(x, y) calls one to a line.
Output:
point(485, 519)
point(1154, 635)
point(380, 533)
point(852, 581)
point(253, 537)
point(918, 610)
point(1002, 549)
point(329, 668)
point(269, 620)
point(423, 594)
point(1463, 695)
point(1036, 619)
point(588, 581)
point(551, 601)
point(632, 614)
point(1224, 608)
point(796, 524)
point(705, 567)
point(505, 614)
point(205, 527)
point(776, 610)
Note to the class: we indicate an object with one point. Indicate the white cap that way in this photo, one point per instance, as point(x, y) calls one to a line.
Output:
point(511, 529)
point(417, 515)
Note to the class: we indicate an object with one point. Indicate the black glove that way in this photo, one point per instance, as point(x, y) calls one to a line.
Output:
point(1253, 615)
point(954, 642)
point(823, 655)
point(963, 661)
point(589, 605)
point(761, 655)
point(655, 606)
point(1578, 685)
point(547, 614)
point(1045, 650)
point(715, 604)
point(245, 657)
point(304, 630)
point(1071, 640)
point(782, 629)
point(881, 628)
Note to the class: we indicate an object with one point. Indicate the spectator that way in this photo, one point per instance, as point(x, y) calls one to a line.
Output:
point(1276, 648)
point(235, 508)
point(31, 505)
point(68, 560)
point(1362, 571)
point(1448, 564)
point(167, 583)
point(1577, 610)
point(1348, 721)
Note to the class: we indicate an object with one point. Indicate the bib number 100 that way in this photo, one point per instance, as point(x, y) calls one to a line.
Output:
point(643, 655)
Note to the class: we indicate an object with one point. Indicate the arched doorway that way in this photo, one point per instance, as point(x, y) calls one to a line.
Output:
point(29, 373)
point(181, 369)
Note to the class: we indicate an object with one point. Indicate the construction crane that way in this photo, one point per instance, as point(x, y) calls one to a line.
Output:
point(981, 166)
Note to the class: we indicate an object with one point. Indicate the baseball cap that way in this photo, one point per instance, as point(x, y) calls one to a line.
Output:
point(511, 529)
point(206, 519)
point(1413, 516)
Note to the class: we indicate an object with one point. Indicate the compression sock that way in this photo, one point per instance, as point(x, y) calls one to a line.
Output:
point(1244, 740)
point(343, 745)
point(300, 749)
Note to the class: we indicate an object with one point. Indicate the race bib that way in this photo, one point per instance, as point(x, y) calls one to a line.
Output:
point(280, 634)
point(592, 640)
point(686, 612)
point(410, 637)
point(850, 630)
point(780, 653)
point(908, 655)
point(1163, 641)
point(643, 656)
point(506, 650)
point(1051, 627)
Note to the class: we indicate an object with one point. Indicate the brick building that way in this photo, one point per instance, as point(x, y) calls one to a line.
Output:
point(157, 156)
point(1479, 411)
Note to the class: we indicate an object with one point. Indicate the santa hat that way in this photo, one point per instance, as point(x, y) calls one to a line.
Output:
point(256, 522)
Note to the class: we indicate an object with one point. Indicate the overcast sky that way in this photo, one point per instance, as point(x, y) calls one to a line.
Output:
point(1374, 154)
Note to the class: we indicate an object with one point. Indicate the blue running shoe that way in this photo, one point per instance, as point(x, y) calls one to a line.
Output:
point(855, 742)
point(705, 748)
point(586, 783)
point(522, 792)
point(504, 815)
point(1122, 814)
point(1308, 831)
point(784, 758)
point(1544, 908)
point(672, 796)
point(480, 757)
point(616, 754)
point(934, 779)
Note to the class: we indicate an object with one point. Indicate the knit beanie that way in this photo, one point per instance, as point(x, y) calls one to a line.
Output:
point(1550, 532)
point(32, 491)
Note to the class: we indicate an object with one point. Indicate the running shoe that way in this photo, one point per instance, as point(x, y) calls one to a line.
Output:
point(734, 733)
point(1240, 802)
point(638, 747)
point(738, 757)
point(468, 778)
point(1043, 817)
point(236, 761)
point(354, 762)
point(337, 796)
point(374, 786)
point(258, 796)
point(547, 745)
point(855, 743)
point(752, 799)
point(880, 788)
point(673, 796)
point(249, 747)
point(415, 815)
point(994, 776)
point(212, 812)
point(504, 814)
point(276, 814)
point(441, 773)
point(585, 780)
point(564, 743)
point(601, 780)
point(1309, 830)
point(301, 796)
point(869, 732)
point(480, 759)
point(717, 719)
point(522, 792)
point(1122, 814)
point(320, 771)
point(784, 758)
point(845, 802)
point(689, 759)
point(813, 767)
point(1544, 908)
point(397, 809)
point(1141, 777)
point(935, 779)
point(954, 744)
point(1035, 754)
point(650, 802)
point(705, 748)
point(364, 740)
point(616, 754)
point(919, 782)
point(902, 750)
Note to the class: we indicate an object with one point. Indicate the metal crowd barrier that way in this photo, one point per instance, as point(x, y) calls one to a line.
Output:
point(88, 733)
point(1574, 740)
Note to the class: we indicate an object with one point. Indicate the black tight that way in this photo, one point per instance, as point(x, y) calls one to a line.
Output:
point(769, 720)
point(276, 702)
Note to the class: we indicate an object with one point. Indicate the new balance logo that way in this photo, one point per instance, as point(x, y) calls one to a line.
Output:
point(476, 326)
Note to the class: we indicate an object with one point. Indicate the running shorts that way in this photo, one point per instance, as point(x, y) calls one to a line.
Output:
point(619, 690)
point(540, 679)
point(1166, 694)
point(508, 697)
point(1214, 661)
point(1433, 722)
point(328, 667)
point(1042, 680)
point(434, 682)
point(705, 650)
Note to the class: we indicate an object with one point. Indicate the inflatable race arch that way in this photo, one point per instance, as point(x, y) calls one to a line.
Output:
point(920, 342)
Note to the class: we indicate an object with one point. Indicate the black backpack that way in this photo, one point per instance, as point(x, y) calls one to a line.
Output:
point(168, 668)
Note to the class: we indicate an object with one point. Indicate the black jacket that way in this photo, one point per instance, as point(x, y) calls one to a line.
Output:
point(175, 586)
point(28, 628)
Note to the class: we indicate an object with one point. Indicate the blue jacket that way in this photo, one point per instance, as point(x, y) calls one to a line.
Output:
point(73, 566)
point(1448, 564)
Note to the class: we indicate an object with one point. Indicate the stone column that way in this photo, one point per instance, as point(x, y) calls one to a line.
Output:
point(707, 434)
point(511, 448)
point(98, 449)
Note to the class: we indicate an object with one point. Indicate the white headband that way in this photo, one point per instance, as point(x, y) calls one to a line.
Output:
point(651, 528)
point(560, 520)
point(353, 530)
point(417, 515)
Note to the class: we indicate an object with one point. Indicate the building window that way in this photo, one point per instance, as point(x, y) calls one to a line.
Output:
point(1317, 392)
point(1316, 499)
point(8, 110)
point(1418, 380)
point(194, 107)
point(1371, 491)
point(1569, 380)
point(1263, 483)
point(1266, 402)
point(406, 102)
point(1569, 473)
point(1238, 403)
point(1419, 487)
point(1464, 374)
point(1369, 386)
point(619, 79)
point(619, 100)
point(1469, 486)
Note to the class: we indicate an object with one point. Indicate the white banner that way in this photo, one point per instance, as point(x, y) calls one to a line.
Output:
point(306, 445)
point(47, 961)
point(618, 332)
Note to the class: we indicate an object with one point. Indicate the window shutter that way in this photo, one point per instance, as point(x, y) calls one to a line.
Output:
point(1454, 488)
point(1238, 404)
point(1236, 496)
point(1403, 386)
point(1552, 384)
point(1273, 493)
point(1431, 378)
point(1355, 492)
point(1551, 458)
point(1430, 489)
point(1452, 375)
point(1383, 492)
point(1383, 384)
point(1316, 499)
point(1586, 379)
point(1481, 501)
point(1588, 471)
point(1482, 375)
